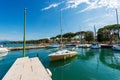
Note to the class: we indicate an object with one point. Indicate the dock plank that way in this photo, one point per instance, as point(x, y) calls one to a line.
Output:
point(27, 69)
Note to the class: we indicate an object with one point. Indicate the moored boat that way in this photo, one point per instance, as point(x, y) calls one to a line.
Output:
point(83, 45)
point(53, 46)
point(95, 46)
point(117, 46)
point(62, 55)
point(3, 49)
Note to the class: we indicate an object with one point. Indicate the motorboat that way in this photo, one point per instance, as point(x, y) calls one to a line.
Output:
point(3, 49)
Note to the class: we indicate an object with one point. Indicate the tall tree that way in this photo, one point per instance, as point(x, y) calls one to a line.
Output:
point(89, 36)
point(108, 33)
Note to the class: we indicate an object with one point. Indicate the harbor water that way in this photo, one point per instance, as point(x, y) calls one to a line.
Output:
point(90, 64)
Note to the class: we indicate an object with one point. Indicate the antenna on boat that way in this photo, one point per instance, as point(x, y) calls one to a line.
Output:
point(24, 37)
point(61, 25)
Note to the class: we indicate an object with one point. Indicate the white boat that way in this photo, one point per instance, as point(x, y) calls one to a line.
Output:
point(3, 49)
point(53, 46)
point(117, 47)
point(3, 54)
point(83, 45)
point(62, 55)
point(95, 46)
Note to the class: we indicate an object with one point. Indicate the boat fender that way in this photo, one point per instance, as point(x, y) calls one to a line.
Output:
point(48, 71)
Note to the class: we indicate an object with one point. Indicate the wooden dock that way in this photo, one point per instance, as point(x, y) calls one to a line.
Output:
point(27, 47)
point(27, 69)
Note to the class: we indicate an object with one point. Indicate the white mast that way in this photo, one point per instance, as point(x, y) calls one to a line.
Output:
point(117, 25)
point(95, 34)
point(61, 26)
point(117, 16)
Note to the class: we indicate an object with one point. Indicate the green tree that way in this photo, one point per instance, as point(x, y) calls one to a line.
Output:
point(68, 36)
point(108, 33)
point(81, 35)
point(89, 36)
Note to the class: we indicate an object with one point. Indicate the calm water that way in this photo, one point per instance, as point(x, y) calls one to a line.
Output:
point(18, 45)
point(100, 64)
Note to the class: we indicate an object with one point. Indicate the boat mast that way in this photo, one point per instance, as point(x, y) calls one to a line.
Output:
point(95, 34)
point(24, 37)
point(61, 26)
point(117, 25)
point(117, 16)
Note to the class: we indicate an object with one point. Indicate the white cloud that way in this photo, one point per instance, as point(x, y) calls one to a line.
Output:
point(101, 17)
point(100, 20)
point(75, 3)
point(52, 6)
point(102, 3)
point(94, 4)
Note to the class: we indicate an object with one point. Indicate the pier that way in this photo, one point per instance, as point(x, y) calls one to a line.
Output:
point(27, 69)
point(27, 47)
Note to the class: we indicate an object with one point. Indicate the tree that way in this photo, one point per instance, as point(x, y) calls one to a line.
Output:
point(44, 40)
point(53, 39)
point(108, 33)
point(81, 35)
point(68, 36)
point(89, 36)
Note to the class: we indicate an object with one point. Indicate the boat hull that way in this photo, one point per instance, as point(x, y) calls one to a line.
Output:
point(116, 47)
point(83, 46)
point(62, 57)
point(95, 47)
point(3, 50)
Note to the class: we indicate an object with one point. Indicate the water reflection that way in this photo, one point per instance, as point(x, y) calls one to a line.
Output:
point(87, 54)
point(2, 55)
point(110, 58)
point(61, 63)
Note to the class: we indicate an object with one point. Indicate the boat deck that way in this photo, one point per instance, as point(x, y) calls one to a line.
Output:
point(27, 69)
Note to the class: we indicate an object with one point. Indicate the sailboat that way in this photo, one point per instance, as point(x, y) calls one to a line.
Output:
point(95, 44)
point(117, 47)
point(62, 54)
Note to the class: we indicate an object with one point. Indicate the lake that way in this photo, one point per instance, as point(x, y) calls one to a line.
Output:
point(90, 64)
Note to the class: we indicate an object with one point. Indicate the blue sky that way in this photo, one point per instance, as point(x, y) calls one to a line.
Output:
point(43, 17)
